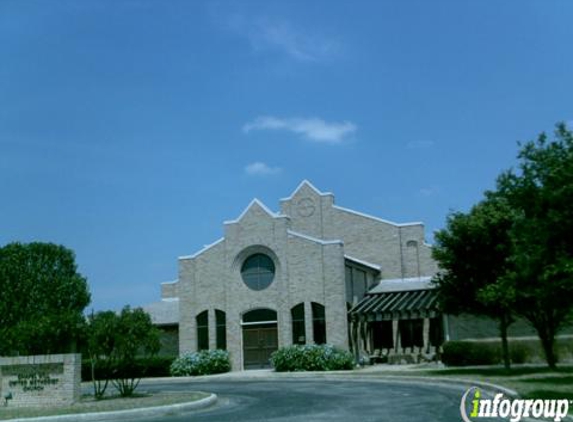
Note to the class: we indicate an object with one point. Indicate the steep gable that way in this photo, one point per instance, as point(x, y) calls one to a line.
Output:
point(305, 206)
point(255, 209)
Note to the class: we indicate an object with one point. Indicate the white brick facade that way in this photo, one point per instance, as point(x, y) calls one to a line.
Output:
point(307, 242)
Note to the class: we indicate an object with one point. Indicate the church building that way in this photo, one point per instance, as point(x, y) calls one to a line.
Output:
point(314, 272)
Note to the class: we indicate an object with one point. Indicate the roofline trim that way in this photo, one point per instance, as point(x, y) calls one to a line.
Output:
point(252, 204)
point(170, 282)
point(310, 185)
point(362, 262)
point(314, 239)
point(205, 248)
point(371, 217)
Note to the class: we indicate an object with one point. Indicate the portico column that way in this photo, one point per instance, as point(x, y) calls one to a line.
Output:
point(426, 331)
point(396, 332)
point(362, 336)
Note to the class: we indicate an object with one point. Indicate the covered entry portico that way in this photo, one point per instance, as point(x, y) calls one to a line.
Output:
point(397, 321)
point(260, 338)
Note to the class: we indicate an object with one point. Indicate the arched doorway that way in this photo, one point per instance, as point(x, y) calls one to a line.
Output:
point(260, 338)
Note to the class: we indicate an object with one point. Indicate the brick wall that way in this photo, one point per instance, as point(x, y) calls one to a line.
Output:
point(306, 270)
point(41, 381)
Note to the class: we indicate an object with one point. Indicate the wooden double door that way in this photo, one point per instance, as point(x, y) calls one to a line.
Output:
point(259, 342)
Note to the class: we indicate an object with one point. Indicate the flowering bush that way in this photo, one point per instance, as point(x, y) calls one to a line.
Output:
point(204, 362)
point(311, 358)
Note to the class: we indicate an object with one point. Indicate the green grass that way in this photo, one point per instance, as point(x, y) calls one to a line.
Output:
point(529, 381)
point(89, 404)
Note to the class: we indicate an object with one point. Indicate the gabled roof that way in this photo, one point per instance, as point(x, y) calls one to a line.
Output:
point(255, 203)
point(403, 284)
point(308, 184)
point(371, 217)
point(165, 312)
point(205, 248)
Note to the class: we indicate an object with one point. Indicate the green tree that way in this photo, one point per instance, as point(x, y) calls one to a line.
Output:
point(100, 346)
point(42, 299)
point(114, 344)
point(541, 194)
point(473, 252)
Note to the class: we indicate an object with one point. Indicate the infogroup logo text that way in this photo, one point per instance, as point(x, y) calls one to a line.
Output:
point(512, 409)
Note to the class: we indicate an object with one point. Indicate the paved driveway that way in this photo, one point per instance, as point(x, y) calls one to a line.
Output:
point(310, 400)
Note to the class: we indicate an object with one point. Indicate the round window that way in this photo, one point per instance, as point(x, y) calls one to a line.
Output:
point(258, 271)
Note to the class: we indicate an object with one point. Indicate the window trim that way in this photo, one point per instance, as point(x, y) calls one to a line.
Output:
point(299, 306)
point(316, 320)
point(220, 323)
point(202, 328)
point(260, 272)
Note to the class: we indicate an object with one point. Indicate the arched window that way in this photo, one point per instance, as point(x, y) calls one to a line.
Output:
point(260, 316)
point(297, 316)
point(258, 271)
point(202, 320)
point(318, 323)
point(221, 325)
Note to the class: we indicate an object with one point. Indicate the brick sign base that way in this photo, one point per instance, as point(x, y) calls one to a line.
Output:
point(40, 381)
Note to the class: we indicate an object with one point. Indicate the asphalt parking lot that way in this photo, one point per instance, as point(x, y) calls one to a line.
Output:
point(319, 400)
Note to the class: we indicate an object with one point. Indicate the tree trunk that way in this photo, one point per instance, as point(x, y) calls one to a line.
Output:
point(548, 344)
point(503, 325)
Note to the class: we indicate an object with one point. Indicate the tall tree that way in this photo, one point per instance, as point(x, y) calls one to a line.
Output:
point(541, 194)
point(473, 252)
point(42, 299)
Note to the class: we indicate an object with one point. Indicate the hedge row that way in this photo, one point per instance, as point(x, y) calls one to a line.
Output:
point(311, 358)
point(470, 353)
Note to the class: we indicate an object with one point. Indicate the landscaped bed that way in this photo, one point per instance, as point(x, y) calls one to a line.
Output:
point(111, 403)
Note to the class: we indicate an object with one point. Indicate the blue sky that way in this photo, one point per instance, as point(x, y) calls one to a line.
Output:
point(130, 130)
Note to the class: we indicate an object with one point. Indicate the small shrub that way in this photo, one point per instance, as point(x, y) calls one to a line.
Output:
point(466, 353)
point(204, 362)
point(157, 366)
point(518, 353)
point(311, 358)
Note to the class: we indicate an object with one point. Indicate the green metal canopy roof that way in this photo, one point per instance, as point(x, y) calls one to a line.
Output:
point(409, 304)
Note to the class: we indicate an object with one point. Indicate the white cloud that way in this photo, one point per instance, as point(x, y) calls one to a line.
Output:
point(430, 191)
point(420, 144)
point(259, 168)
point(265, 34)
point(313, 129)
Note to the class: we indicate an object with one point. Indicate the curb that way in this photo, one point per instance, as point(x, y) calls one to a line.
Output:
point(343, 375)
point(460, 382)
point(156, 411)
